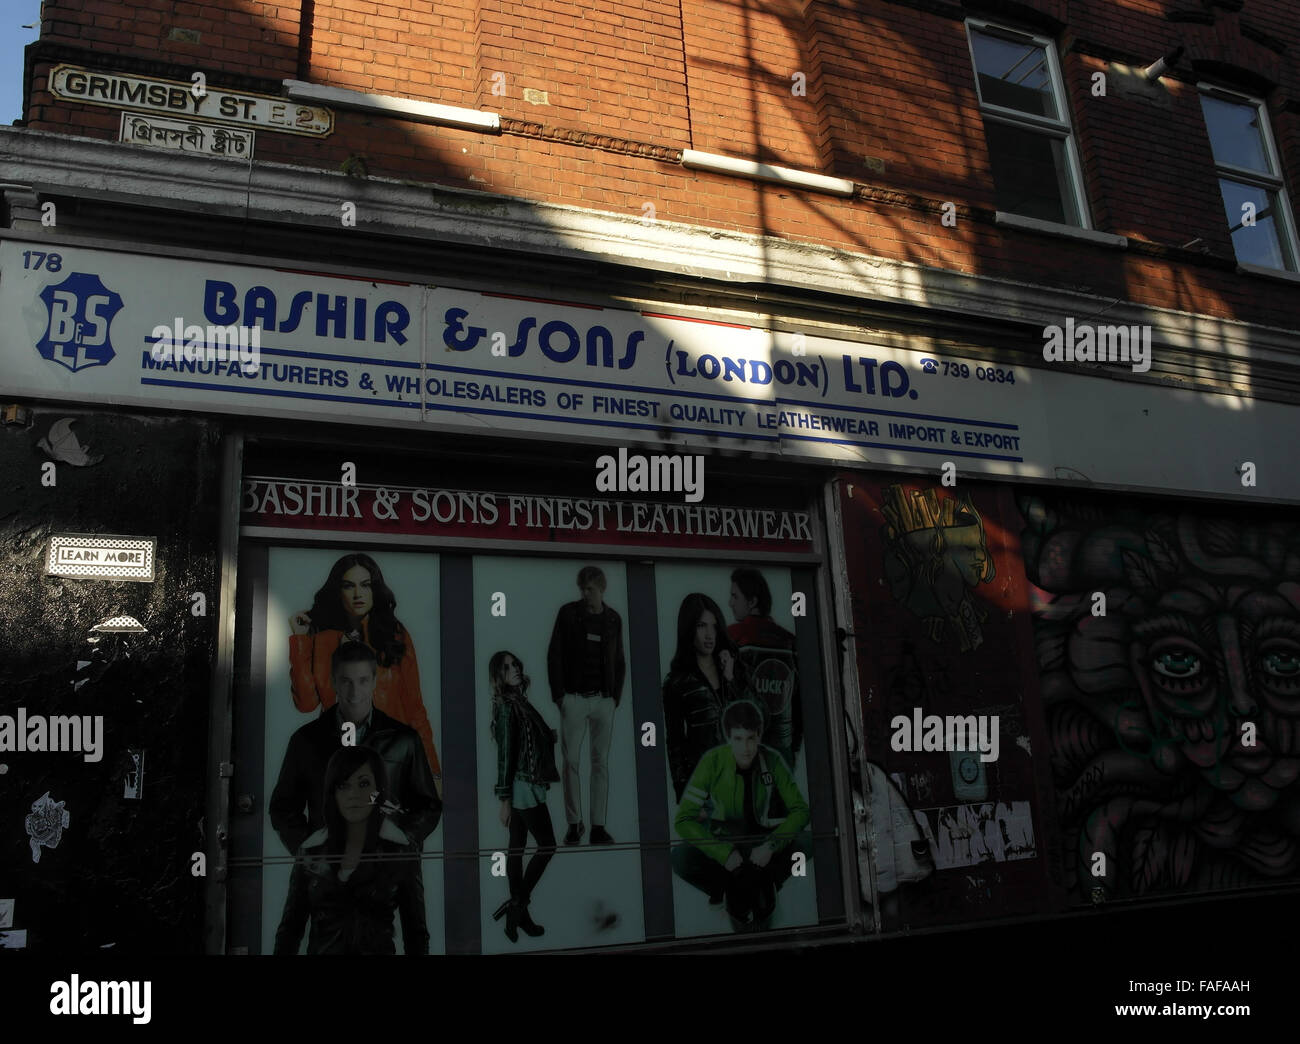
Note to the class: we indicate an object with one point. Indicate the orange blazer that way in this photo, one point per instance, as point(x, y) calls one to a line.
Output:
point(397, 689)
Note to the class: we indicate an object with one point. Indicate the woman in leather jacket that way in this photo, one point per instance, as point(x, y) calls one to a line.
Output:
point(704, 677)
point(525, 771)
point(351, 875)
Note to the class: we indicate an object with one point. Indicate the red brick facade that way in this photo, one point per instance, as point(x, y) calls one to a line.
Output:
point(888, 100)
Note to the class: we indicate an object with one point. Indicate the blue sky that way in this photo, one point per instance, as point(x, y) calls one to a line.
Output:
point(14, 14)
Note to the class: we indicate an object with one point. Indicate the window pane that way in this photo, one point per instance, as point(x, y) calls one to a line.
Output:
point(1014, 75)
point(1235, 135)
point(1030, 174)
point(1260, 244)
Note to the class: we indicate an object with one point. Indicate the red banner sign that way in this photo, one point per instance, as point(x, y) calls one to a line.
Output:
point(295, 504)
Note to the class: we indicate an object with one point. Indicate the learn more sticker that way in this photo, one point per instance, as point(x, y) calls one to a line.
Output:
point(106, 557)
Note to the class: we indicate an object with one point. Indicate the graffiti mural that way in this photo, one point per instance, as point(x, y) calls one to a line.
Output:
point(1174, 718)
point(942, 627)
point(935, 555)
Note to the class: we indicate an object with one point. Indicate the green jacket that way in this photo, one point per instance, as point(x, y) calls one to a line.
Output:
point(715, 778)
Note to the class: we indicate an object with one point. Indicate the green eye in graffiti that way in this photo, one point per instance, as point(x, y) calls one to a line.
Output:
point(1281, 664)
point(1178, 664)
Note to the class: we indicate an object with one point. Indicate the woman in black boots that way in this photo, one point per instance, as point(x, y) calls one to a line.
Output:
point(525, 771)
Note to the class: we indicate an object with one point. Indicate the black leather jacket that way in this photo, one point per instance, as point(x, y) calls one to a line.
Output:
point(302, 777)
point(569, 645)
point(355, 916)
point(525, 745)
point(693, 717)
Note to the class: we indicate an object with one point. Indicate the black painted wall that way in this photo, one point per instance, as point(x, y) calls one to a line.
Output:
point(119, 880)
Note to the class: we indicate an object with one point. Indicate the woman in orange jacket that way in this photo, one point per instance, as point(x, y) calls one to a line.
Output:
point(355, 605)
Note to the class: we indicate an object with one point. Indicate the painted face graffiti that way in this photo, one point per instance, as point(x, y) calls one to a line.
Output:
point(1220, 680)
point(1174, 718)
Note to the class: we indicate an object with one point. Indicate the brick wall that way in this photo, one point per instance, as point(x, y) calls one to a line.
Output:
point(889, 102)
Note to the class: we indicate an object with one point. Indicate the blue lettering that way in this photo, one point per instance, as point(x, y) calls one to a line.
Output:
point(559, 326)
point(300, 301)
point(457, 336)
point(629, 357)
point(259, 307)
point(521, 338)
point(849, 383)
point(392, 318)
point(869, 368)
point(894, 389)
point(219, 303)
point(336, 314)
point(606, 340)
point(400, 385)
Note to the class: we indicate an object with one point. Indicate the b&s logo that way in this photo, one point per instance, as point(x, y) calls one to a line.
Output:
point(81, 311)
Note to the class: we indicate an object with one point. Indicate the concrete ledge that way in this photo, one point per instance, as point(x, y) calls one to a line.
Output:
point(765, 172)
point(387, 105)
point(1268, 273)
point(1052, 228)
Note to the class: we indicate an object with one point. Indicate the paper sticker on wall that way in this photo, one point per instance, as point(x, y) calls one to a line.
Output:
point(121, 625)
point(134, 775)
point(45, 824)
point(969, 782)
point(967, 835)
point(6, 913)
point(61, 443)
point(13, 940)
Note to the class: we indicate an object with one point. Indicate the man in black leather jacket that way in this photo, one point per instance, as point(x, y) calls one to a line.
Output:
point(416, 809)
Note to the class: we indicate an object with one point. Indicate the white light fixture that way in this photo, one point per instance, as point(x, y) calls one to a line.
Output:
point(386, 105)
point(764, 172)
point(1157, 69)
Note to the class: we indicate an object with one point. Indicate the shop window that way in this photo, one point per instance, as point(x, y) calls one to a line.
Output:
point(1026, 125)
point(1245, 159)
point(599, 723)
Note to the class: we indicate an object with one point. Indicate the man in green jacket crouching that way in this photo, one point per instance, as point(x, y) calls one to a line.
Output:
point(736, 851)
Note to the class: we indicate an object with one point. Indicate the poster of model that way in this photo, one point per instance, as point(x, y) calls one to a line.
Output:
point(736, 783)
point(558, 821)
point(352, 762)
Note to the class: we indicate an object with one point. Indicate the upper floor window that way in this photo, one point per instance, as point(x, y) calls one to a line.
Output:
point(1026, 125)
point(1250, 179)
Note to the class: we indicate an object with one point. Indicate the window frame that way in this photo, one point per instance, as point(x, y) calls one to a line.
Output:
point(1284, 219)
point(1060, 127)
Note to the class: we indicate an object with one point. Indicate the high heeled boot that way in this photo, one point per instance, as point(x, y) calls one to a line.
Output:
point(512, 920)
point(526, 922)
